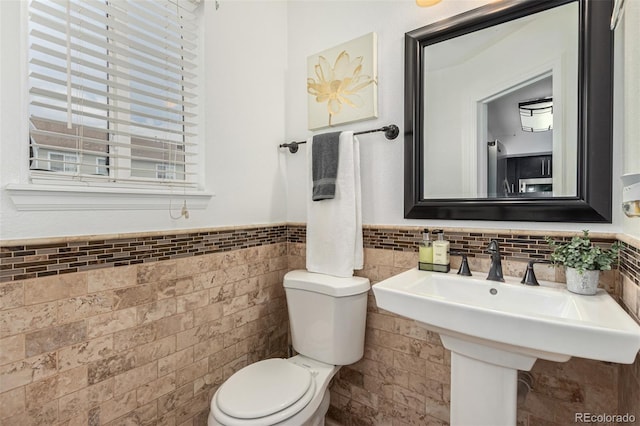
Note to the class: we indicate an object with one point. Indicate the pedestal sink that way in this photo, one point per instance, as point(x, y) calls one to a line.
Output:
point(495, 329)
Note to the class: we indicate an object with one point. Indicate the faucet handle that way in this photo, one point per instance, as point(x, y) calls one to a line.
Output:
point(530, 276)
point(464, 269)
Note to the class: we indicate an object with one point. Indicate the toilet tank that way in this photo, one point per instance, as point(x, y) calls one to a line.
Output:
point(327, 315)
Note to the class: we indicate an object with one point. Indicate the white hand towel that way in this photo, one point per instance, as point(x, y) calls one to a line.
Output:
point(334, 226)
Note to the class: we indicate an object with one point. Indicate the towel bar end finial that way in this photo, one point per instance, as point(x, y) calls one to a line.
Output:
point(391, 132)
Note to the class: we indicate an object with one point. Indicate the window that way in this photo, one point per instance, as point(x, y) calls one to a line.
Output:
point(101, 166)
point(165, 171)
point(60, 162)
point(112, 87)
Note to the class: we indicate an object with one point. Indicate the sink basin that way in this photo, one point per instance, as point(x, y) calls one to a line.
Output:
point(495, 329)
point(546, 322)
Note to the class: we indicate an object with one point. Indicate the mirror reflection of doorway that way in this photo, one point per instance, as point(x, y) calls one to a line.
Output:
point(519, 155)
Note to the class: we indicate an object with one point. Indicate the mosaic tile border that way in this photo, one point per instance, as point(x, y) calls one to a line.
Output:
point(515, 245)
point(630, 262)
point(18, 262)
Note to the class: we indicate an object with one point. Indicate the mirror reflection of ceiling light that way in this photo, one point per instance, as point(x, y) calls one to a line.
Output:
point(537, 115)
point(427, 3)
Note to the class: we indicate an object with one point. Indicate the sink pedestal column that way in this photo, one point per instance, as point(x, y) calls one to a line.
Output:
point(484, 383)
point(482, 394)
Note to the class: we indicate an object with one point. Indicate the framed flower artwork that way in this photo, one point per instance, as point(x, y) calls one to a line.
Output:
point(342, 83)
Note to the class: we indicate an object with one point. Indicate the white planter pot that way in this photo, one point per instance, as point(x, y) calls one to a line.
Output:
point(582, 283)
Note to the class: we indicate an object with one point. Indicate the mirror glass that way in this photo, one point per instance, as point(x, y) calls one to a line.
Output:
point(501, 110)
point(508, 113)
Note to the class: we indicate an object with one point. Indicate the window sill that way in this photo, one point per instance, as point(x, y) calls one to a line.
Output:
point(60, 198)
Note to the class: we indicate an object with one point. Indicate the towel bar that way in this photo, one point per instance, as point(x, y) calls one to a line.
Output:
point(390, 132)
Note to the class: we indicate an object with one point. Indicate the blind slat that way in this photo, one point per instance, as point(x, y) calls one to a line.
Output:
point(106, 107)
point(123, 122)
point(58, 125)
point(108, 94)
point(105, 143)
point(112, 84)
point(113, 72)
point(70, 161)
point(102, 39)
point(180, 33)
point(171, 146)
point(149, 12)
point(103, 56)
point(93, 35)
point(99, 178)
point(70, 158)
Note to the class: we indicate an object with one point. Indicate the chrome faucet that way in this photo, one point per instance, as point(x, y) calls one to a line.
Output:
point(495, 270)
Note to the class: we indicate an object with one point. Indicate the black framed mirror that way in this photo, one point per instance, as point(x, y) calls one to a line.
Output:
point(575, 177)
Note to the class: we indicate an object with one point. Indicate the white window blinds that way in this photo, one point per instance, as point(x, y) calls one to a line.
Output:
point(113, 90)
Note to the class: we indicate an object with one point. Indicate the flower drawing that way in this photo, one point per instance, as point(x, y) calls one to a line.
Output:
point(338, 85)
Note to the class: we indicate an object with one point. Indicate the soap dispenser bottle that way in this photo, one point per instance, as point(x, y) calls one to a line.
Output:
point(441, 253)
point(425, 253)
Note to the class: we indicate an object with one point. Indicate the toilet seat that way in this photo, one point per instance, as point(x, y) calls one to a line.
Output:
point(264, 393)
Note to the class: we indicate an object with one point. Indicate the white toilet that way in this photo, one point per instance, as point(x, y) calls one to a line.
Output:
point(327, 316)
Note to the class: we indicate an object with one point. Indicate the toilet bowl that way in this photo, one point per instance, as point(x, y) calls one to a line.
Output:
point(327, 317)
point(282, 392)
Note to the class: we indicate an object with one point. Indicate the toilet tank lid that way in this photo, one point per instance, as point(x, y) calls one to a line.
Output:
point(326, 284)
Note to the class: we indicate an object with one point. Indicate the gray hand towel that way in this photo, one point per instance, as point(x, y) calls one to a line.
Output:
point(324, 164)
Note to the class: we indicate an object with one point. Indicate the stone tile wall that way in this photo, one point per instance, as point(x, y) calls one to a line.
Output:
point(146, 338)
point(143, 344)
point(629, 382)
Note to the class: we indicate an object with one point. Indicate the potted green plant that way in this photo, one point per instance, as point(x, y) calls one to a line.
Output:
point(583, 261)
